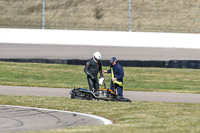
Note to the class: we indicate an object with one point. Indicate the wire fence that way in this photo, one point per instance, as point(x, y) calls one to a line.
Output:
point(182, 16)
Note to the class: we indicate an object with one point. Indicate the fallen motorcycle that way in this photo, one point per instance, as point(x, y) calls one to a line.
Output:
point(105, 94)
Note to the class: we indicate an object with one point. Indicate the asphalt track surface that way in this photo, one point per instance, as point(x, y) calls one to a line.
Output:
point(133, 95)
point(21, 119)
point(85, 52)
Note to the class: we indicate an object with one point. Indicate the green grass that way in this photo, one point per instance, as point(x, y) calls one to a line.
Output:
point(145, 117)
point(134, 117)
point(67, 76)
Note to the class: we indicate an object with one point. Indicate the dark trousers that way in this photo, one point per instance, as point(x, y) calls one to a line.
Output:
point(93, 84)
point(119, 88)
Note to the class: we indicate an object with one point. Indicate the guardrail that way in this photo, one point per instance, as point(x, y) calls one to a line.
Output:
point(193, 64)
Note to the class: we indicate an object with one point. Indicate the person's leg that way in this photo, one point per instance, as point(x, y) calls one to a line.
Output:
point(120, 91)
point(112, 86)
point(96, 85)
point(91, 84)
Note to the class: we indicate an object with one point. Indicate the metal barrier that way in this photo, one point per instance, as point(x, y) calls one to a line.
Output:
point(182, 16)
point(188, 64)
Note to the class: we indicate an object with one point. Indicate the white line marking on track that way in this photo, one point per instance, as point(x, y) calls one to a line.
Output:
point(105, 121)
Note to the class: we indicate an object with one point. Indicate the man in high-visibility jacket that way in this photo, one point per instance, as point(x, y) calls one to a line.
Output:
point(117, 73)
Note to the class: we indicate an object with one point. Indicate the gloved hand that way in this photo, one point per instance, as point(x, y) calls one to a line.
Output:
point(101, 79)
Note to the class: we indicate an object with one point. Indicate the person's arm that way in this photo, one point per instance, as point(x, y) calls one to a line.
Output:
point(86, 70)
point(121, 73)
point(107, 71)
point(100, 70)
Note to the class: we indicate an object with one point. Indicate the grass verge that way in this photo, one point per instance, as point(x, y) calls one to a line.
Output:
point(67, 76)
point(127, 117)
point(147, 15)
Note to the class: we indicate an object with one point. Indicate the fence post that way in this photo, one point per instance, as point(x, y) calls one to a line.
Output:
point(43, 15)
point(130, 17)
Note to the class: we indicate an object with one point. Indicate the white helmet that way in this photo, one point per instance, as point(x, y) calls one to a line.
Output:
point(97, 56)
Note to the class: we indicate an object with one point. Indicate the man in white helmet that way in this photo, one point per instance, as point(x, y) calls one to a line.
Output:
point(92, 67)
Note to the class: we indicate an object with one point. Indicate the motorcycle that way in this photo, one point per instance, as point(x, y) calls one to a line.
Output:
point(105, 94)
